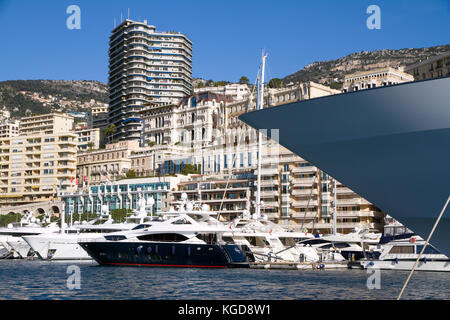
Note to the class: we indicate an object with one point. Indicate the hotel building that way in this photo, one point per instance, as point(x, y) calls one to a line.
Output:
point(108, 164)
point(145, 67)
point(374, 78)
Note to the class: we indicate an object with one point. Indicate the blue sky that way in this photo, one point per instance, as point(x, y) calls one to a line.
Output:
point(227, 35)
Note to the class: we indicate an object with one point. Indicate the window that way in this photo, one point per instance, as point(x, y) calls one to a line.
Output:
point(402, 250)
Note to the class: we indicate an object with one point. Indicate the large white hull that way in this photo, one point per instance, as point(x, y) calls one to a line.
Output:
point(407, 265)
point(59, 246)
point(19, 246)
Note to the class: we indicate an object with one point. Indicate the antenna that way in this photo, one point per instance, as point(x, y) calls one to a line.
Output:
point(128, 13)
point(114, 23)
point(121, 19)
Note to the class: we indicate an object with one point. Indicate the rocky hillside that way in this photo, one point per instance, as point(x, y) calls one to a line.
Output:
point(332, 72)
point(22, 97)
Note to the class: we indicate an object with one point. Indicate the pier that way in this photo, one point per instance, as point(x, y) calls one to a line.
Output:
point(300, 265)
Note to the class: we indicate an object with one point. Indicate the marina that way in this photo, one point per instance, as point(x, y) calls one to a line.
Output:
point(48, 280)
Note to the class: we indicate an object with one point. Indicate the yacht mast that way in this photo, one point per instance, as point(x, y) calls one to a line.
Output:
point(335, 208)
point(259, 106)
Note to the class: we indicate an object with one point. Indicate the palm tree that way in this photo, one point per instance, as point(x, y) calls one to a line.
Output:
point(109, 132)
point(90, 145)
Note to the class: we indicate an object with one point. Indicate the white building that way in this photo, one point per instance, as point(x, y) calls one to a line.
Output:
point(235, 90)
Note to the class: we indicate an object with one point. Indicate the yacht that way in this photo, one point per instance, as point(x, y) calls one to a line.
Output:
point(11, 236)
point(352, 246)
point(399, 249)
point(188, 238)
point(267, 241)
point(64, 245)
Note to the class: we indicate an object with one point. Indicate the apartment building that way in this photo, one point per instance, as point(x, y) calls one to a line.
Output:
point(145, 67)
point(9, 128)
point(436, 67)
point(98, 117)
point(46, 124)
point(374, 78)
point(108, 164)
point(34, 167)
point(88, 139)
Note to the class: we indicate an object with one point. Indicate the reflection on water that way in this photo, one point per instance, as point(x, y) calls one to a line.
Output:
point(48, 280)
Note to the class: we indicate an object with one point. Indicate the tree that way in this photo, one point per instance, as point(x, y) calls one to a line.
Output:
point(90, 145)
point(189, 168)
point(275, 83)
point(221, 83)
point(244, 80)
point(109, 132)
point(131, 174)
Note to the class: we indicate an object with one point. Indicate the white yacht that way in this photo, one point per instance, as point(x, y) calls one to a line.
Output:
point(399, 249)
point(11, 236)
point(402, 255)
point(351, 246)
point(268, 241)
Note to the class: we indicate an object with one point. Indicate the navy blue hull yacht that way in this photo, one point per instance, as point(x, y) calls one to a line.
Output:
point(181, 240)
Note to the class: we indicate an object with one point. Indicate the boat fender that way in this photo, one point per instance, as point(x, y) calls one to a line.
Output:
point(396, 260)
point(139, 249)
point(149, 249)
point(321, 266)
point(371, 263)
point(424, 260)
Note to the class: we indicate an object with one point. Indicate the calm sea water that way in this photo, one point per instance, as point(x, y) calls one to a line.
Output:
point(20, 279)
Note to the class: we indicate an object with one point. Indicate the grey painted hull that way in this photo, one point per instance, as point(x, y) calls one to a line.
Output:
point(391, 145)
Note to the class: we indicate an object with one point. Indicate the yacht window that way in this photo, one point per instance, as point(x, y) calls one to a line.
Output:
point(165, 237)
point(115, 238)
point(402, 249)
point(228, 239)
point(181, 221)
point(428, 250)
point(209, 238)
point(142, 226)
point(341, 245)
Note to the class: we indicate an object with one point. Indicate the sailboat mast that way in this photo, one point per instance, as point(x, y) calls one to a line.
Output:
point(259, 106)
point(335, 208)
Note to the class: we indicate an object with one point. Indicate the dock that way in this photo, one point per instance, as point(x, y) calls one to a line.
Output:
point(300, 265)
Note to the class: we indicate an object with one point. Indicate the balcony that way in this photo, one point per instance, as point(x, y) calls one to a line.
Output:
point(270, 182)
point(308, 169)
point(303, 181)
point(269, 172)
point(304, 192)
point(305, 204)
point(272, 193)
point(352, 201)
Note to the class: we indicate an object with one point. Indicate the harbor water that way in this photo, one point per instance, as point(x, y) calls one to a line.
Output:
point(41, 280)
